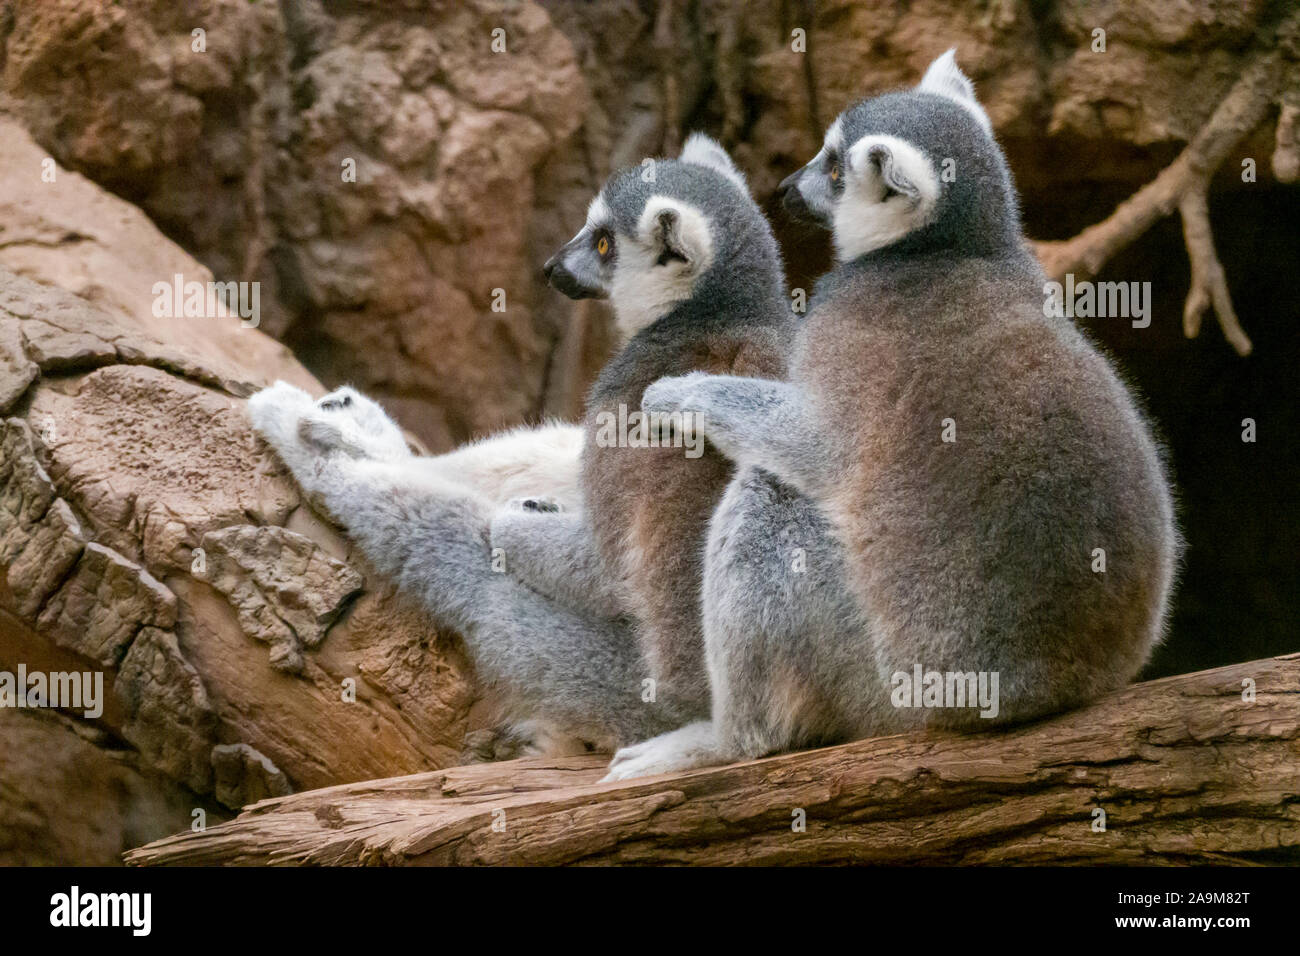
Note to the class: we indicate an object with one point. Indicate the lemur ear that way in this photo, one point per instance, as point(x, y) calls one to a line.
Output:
point(881, 162)
point(944, 78)
point(703, 150)
point(676, 233)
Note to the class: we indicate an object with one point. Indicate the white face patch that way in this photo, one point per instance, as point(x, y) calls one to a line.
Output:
point(814, 184)
point(579, 257)
point(890, 190)
point(658, 267)
point(944, 78)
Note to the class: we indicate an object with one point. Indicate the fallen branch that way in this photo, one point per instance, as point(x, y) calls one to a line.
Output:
point(1187, 769)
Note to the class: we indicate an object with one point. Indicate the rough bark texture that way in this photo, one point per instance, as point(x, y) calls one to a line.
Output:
point(1186, 770)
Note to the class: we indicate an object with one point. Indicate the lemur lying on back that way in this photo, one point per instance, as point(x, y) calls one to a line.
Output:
point(974, 455)
point(567, 676)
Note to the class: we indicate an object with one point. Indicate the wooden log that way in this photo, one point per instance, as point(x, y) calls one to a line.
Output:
point(1194, 769)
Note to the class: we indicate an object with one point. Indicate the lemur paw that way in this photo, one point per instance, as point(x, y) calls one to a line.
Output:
point(689, 747)
point(675, 393)
point(275, 413)
point(347, 421)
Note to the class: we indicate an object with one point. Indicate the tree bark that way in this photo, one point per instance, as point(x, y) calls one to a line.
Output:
point(1196, 769)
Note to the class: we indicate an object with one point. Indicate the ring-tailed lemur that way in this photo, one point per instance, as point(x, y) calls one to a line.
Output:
point(1002, 503)
point(696, 281)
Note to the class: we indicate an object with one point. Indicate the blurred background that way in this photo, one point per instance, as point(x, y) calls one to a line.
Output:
point(232, 124)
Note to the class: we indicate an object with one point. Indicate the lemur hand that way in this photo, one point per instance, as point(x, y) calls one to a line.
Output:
point(675, 393)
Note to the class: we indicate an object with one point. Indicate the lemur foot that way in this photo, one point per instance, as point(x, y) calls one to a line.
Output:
point(344, 420)
point(521, 519)
point(686, 748)
point(347, 421)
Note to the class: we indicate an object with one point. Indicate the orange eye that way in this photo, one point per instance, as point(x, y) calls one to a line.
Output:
point(602, 245)
point(835, 172)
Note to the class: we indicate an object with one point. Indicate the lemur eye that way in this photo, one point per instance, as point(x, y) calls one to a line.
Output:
point(835, 171)
point(604, 245)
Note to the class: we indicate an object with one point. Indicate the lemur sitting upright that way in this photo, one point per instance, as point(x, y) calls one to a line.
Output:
point(1002, 504)
point(696, 281)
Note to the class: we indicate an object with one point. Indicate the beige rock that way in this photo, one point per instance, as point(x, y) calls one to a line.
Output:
point(17, 371)
point(168, 716)
point(157, 461)
point(244, 776)
point(447, 139)
point(99, 610)
point(285, 589)
point(40, 538)
point(73, 234)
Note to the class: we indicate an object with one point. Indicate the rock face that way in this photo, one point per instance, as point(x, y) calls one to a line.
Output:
point(147, 537)
point(286, 591)
point(72, 795)
point(376, 173)
point(59, 228)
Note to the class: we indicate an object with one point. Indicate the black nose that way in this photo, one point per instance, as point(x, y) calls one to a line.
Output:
point(564, 281)
point(792, 200)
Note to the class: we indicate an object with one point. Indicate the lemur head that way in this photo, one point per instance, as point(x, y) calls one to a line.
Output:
point(666, 232)
point(917, 170)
